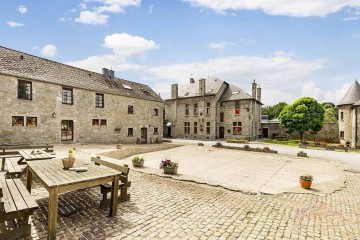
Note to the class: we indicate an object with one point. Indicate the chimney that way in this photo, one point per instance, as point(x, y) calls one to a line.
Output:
point(254, 90)
point(192, 80)
point(202, 86)
point(258, 93)
point(111, 74)
point(174, 91)
point(105, 72)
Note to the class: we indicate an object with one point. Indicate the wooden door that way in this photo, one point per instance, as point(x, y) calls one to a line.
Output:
point(221, 132)
point(67, 130)
point(144, 135)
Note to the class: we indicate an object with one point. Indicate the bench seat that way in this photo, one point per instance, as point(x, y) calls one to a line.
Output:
point(16, 205)
point(124, 182)
point(14, 170)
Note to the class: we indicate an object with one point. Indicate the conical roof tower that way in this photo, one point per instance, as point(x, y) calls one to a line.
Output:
point(352, 95)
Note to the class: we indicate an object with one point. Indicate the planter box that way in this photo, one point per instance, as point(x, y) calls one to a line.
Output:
point(138, 163)
point(170, 170)
point(305, 183)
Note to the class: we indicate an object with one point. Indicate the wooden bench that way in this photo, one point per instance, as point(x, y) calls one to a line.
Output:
point(16, 205)
point(8, 151)
point(14, 170)
point(124, 182)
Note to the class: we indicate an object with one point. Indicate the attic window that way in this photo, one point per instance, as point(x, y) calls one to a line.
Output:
point(238, 92)
point(145, 91)
point(210, 90)
point(187, 93)
point(127, 86)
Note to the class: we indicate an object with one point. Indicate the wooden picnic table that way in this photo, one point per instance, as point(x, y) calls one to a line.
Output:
point(57, 180)
point(31, 155)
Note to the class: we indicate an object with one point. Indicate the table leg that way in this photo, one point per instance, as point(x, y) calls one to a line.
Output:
point(20, 161)
point(3, 164)
point(28, 179)
point(114, 196)
point(52, 212)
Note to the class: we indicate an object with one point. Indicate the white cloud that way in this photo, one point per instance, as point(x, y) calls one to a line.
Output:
point(96, 17)
point(93, 18)
point(312, 90)
point(22, 9)
point(221, 45)
point(49, 50)
point(151, 8)
point(294, 8)
point(123, 46)
point(15, 24)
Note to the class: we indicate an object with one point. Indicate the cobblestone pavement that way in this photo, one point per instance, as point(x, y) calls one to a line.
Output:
point(163, 208)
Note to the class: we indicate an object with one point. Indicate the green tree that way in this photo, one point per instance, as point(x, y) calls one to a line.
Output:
point(331, 112)
point(303, 115)
point(273, 111)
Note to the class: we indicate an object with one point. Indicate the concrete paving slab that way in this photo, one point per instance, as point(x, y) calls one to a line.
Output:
point(249, 172)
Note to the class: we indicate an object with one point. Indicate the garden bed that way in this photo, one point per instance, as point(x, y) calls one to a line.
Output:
point(250, 149)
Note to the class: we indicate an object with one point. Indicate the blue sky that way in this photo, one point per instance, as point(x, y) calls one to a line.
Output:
point(292, 48)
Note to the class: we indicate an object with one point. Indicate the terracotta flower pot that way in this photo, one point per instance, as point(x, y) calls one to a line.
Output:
point(138, 163)
point(68, 162)
point(170, 170)
point(305, 183)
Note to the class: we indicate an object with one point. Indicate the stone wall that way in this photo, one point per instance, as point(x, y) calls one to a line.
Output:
point(47, 100)
point(329, 132)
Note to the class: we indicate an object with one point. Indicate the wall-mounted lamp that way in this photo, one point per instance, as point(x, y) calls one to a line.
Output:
point(54, 115)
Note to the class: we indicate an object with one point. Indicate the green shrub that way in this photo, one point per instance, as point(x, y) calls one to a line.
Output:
point(137, 159)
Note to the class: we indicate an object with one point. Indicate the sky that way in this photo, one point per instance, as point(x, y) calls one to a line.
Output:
point(292, 48)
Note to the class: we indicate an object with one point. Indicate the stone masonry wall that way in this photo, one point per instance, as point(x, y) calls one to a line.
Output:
point(47, 100)
point(329, 132)
point(345, 124)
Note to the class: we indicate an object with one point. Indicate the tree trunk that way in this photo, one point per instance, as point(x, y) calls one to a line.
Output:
point(301, 137)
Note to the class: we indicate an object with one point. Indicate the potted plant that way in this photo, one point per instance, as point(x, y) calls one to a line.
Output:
point(138, 161)
point(306, 180)
point(70, 160)
point(169, 166)
point(302, 154)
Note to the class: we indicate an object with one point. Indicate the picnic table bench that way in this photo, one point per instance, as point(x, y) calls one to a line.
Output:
point(124, 182)
point(8, 151)
point(16, 169)
point(16, 205)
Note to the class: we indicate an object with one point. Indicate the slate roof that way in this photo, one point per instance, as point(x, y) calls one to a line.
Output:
point(27, 66)
point(234, 93)
point(352, 95)
point(213, 86)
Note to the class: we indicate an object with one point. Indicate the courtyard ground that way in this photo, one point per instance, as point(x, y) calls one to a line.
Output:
point(163, 208)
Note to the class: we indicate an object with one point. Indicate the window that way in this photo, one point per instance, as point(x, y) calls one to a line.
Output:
point(237, 108)
point(195, 109)
point(156, 131)
point(67, 96)
point(342, 134)
point(221, 117)
point(156, 112)
point(187, 110)
point(342, 116)
point(95, 122)
point(130, 109)
point(208, 129)
point(236, 128)
point(99, 122)
point(195, 127)
point(31, 121)
point(127, 86)
point(130, 132)
point(17, 121)
point(99, 100)
point(221, 104)
point(24, 90)
point(103, 123)
point(208, 108)
point(186, 127)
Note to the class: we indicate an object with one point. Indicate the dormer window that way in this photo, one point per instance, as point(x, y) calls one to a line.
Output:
point(127, 86)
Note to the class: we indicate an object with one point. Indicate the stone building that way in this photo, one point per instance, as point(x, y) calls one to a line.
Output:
point(43, 101)
point(349, 116)
point(210, 109)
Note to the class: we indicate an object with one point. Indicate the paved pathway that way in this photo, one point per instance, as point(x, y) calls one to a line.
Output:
point(162, 208)
point(350, 161)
